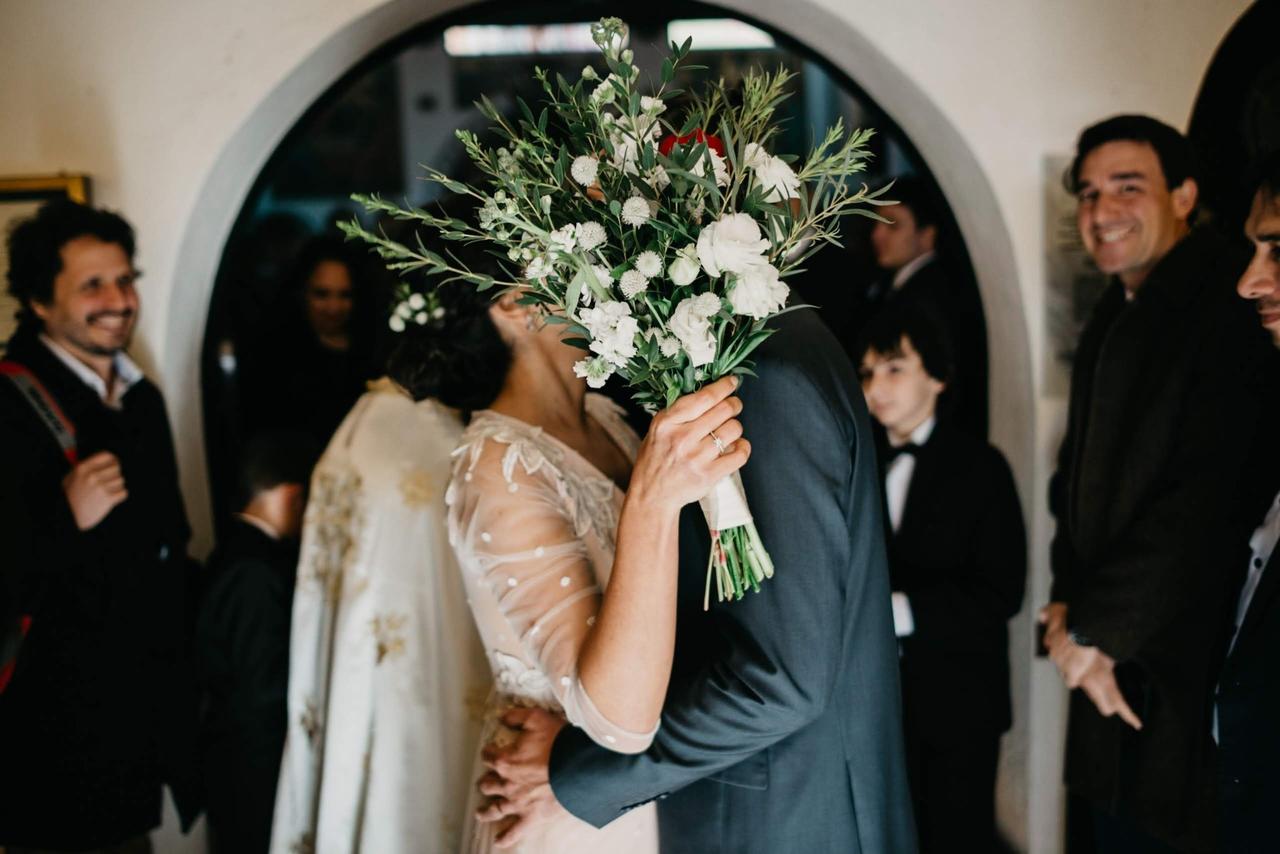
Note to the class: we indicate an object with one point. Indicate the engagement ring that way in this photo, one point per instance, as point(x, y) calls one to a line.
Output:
point(719, 445)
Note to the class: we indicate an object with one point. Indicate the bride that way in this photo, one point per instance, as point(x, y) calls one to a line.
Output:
point(565, 525)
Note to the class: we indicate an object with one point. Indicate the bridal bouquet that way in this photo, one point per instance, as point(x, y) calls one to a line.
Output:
point(661, 241)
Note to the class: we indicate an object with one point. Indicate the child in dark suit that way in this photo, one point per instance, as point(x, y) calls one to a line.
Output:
point(957, 564)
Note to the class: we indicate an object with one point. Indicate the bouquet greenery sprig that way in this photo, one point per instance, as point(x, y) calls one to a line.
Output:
point(661, 242)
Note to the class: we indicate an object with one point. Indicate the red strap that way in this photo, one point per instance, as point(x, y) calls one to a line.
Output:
point(46, 407)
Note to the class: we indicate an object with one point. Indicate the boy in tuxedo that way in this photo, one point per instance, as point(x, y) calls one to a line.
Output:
point(957, 564)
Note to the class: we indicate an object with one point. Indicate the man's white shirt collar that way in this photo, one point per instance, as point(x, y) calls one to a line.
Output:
point(909, 269)
point(920, 435)
point(127, 372)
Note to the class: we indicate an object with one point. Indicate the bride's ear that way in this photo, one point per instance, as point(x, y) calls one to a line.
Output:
point(511, 318)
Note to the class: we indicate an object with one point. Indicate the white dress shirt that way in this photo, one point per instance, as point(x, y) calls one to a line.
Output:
point(897, 482)
point(909, 269)
point(127, 373)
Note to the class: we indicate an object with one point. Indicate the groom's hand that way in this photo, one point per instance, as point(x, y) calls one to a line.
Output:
point(517, 783)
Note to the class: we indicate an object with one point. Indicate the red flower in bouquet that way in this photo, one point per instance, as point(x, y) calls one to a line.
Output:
point(670, 141)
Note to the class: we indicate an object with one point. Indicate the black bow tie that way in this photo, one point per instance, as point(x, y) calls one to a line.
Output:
point(909, 448)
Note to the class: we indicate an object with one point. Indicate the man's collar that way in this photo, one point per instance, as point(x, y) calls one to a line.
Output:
point(909, 269)
point(921, 434)
point(127, 372)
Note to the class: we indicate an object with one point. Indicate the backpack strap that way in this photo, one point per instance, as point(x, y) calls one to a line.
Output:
point(45, 406)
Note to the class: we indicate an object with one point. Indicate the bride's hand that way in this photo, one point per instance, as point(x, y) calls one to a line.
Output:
point(691, 445)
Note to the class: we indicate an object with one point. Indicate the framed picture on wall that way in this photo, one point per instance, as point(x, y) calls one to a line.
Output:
point(19, 198)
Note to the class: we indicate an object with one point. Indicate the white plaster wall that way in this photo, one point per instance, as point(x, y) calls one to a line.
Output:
point(173, 107)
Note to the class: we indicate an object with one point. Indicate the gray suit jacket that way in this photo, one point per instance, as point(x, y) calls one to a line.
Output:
point(781, 731)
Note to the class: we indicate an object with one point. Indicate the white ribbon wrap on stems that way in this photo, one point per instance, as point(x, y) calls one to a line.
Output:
point(725, 506)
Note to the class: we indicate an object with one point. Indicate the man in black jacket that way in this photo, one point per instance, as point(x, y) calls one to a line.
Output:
point(1161, 419)
point(917, 272)
point(1247, 704)
point(242, 643)
point(100, 711)
point(957, 565)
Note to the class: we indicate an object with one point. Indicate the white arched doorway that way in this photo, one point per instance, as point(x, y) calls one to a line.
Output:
point(950, 158)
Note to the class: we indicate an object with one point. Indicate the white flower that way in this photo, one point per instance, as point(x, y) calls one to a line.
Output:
point(590, 235)
point(404, 310)
point(657, 178)
point(684, 269)
point(595, 370)
point(602, 276)
point(757, 292)
point(690, 323)
point(562, 239)
point(649, 263)
point(651, 105)
point(718, 165)
point(539, 268)
point(667, 345)
point(635, 211)
point(626, 153)
point(730, 245)
point(420, 318)
point(417, 302)
point(772, 173)
point(604, 93)
point(437, 312)
point(588, 73)
point(584, 169)
point(613, 331)
point(396, 323)
point(633, 282)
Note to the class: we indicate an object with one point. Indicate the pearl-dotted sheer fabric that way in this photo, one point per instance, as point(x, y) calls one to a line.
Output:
point(533, 525)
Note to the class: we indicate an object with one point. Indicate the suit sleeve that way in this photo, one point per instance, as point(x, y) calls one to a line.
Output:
point(991, 591)
point(782, 644)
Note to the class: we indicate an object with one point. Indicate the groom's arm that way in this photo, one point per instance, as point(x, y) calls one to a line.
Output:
point(783, 642)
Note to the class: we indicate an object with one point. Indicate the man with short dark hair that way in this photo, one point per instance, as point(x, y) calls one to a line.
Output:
point(957, 565)
point(242, 641)
point(98, 713)
point(1247, 701)
point(908, 248)
point(1161, 419)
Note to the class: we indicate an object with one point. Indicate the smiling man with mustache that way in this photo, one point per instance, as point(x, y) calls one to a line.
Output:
point(98, 712)
point(1162, 420)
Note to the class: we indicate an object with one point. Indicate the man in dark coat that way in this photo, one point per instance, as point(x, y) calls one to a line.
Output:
point(781, 730)
point(1247, 703)
point(1161, 418)
point(99, 712)
point(908, 248)
point(242, 643)
point(958, 566)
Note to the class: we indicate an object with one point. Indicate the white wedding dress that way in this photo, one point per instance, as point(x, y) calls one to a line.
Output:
point(533, 525)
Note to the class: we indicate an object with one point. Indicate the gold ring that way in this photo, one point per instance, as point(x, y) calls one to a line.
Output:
point(719, 444)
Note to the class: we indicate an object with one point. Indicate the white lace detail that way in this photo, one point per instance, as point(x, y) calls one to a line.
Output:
point(515, 679)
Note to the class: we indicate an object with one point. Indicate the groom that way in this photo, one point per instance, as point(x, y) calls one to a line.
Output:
point(781, 729)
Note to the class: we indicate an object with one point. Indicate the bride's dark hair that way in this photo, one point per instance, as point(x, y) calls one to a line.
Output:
point(457, 358)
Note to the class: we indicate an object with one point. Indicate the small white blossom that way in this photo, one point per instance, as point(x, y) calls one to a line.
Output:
point(562, 239)
point(690, 323)
point(667, 345)
point(652, 105)
point(404, 311)
point(437, 312)
point(417, 301)
point(635, 211)
point(685, 268)
point(633, 282)
point(584, 170)
point(657, 178)
point(757, 292)
point(772, 173)
point(595, 370)
point(602, 276)
point(539, 268)
point(731, 244)
point(396, 323)
point(589, 73)
point(604, 93)
point(590, 235)
point(613, 331)
point(719, 166)
point(546, 204)
point(420, 318)
point(649, 263)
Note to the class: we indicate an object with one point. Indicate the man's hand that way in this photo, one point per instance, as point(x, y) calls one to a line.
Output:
point(1085, 667)
point(517, 783)
point(94, 488)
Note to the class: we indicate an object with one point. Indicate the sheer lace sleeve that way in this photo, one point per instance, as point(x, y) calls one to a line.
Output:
point(519, 520)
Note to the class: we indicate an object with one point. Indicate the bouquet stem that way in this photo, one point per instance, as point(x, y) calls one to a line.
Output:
point(738, 559)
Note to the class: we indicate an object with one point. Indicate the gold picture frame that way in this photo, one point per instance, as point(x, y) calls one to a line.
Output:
point(20, 196)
